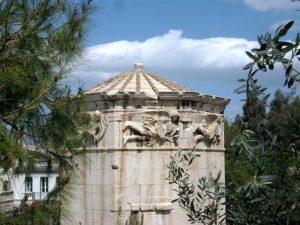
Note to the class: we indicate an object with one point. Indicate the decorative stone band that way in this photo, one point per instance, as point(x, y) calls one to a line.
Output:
point(141, 149)
point(195, 96)
point(159, 206)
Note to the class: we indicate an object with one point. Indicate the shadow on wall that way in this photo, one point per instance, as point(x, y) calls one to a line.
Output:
point(135, 218)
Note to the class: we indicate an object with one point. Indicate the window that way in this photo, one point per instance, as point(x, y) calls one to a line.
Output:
point(28, 184)
point(6, 185)
point(57, 181)
point(185, 104)
point(44, 184)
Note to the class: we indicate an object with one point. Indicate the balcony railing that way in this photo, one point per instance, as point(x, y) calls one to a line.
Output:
point(36, 195)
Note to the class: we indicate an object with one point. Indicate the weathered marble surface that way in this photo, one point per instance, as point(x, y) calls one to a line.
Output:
point(158, 128)
point(140, 120)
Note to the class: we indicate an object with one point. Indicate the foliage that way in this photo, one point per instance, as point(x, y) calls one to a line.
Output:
point(259, 159)
point(235, 159)
point(38, 42)
point(203, 202)
point(270, 151)
point(263, 144)
point(34, 213)
point(271, 51)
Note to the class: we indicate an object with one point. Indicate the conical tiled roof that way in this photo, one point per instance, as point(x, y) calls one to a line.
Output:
point(142, 85)
point(138, 81)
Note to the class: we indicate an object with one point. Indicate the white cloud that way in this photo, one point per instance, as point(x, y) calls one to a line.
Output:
point(168, 52)
point(264, 5)
point(211, 66)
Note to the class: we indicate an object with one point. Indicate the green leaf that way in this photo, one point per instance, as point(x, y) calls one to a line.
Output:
point(283, 60)
point(263, 47)
point(288, 70)
point(260, 40)
point(284, 29)
point(291, 82)
point(250, 55)
point(253, 73)
point(286, 44)
point(219, 175)
point(247, 66)
point(263, 90)
point(242, 88)
point(278, 28)
point(262, 66)
point(297, 39)
point(185, 157)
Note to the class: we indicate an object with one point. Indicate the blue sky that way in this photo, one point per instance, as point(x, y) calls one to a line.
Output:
point(198, 43)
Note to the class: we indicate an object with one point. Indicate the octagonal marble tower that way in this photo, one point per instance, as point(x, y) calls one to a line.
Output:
point(140, 119)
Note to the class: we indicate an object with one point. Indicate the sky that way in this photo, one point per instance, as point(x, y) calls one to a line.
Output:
point(200, 44)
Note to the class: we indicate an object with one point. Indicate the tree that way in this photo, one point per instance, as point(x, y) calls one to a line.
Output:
point(235, 159)
point(266, 185)
point(39, 40)
point(272, 194)
point(265, 144)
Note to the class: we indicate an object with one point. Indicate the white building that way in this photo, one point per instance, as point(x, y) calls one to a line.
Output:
point(35, 185)
point(6, 193)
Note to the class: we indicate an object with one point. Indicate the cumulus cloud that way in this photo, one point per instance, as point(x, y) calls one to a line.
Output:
point(264, 5)
point(168, 52)
point(211, 65)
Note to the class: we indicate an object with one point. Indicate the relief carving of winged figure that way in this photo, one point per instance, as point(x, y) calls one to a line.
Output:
point(152, 131)
point(209, 130)
point(145, 131)
point(99, 126)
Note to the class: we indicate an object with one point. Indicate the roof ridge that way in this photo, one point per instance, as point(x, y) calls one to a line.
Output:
point(127, 81)
point(122, 77)
point(138, 82)
point(169, 84)
point(150, 83)
point(102, 83)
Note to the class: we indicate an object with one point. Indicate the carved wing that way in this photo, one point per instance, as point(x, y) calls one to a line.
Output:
point(198, 118)
point(211, 118)
point(161, 130)
point(100, 129)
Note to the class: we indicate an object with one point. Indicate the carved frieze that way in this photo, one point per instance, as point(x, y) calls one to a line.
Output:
point(153, 130)
point(157, 129)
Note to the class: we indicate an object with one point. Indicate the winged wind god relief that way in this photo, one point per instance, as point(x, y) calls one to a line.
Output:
point(208, 131)
point(153, 129)
point(98, 126)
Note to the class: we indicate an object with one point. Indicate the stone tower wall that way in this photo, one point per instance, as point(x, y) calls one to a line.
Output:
point(128, 157)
